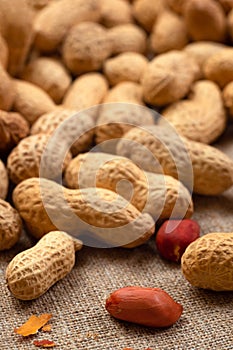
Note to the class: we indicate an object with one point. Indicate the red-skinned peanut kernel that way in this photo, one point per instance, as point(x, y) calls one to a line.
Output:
point(150, 307)
point(174, 236)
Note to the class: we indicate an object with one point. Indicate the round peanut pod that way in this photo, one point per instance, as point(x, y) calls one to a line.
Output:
point(127, 38)
point(206, 263)
point(177, 5)
point(86, 91)
point(125, 91)
point(205, 20)
point(55, 20)
point(16, 22)
point(32, 272)
point(230, 23)
point(78, 128)
point(50, 75)
point(147, 12)
point(200, 51)
point(168, 78)
point(86, 47)
point(4, 52)
point(31, 101)
point(24, 161)
point(219, 67)
point(212, 169)
point(202, 117)
point(228, 98)
point(4, 182)
point(128, 66)
point(164, 38)
point(13, 128)
point(115, 119)
point(115, 13)
point(101, 212)
point(7, 90)
point(10, 226)
point(159, 195)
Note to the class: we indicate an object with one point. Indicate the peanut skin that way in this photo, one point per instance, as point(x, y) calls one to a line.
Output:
point(32, 272)
point(151, 307)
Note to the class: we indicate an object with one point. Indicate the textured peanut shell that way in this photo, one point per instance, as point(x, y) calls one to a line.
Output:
point(147, 12)
point(228, 98)
point(86, 47)
point(16, 21)
point(3, 181)
point(54, 21)
point(4, 52)
point(115, 12)
point(31, 101)
point(128, 66)
point(168, 33)
point(13, 128)
point(7, 90)
point(32, 272)
point(126, 91)
point(98, 211)
point(115, 119)
point(86, 91)
point(127, 38)
point(155, 194)
point(202, 117)
point(212, 169)
point(76, 128)
point(207, 262)
point(24, 161)
point(50, 75)
point(219, 67)
point(200, 51)
point(205, 20)
point(168, 78)
point(10, 226)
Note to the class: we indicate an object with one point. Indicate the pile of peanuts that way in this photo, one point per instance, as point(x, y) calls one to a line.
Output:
point(110, 60)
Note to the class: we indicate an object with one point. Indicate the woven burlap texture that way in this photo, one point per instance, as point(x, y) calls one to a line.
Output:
point(77, 302)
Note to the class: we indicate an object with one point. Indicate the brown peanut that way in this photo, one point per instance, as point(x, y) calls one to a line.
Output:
point(177, 5)
point(13, 128)
point(228, 98)
point(55, 20)
point(168, 78)
point(128, 66)
point(205, 20)
point(76, 128)
point(164, 38)
point(10, 226)
point(202, 117)
point(32, 272)
point(98, 211)
point(50, 75)
point(207, 262)
point(147, 12)
point(24, 161)
point(86, 47)
point(31, 101)
point(115, 12)
point(126, 91)
point(212, 169)
point(3, 181)
point(7, 90)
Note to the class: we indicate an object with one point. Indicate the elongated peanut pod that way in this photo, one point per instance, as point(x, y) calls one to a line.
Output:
point(151, 307)
point(99, 211)
point(32, 272)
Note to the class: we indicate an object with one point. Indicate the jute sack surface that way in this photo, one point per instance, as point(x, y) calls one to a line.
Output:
point(77, 302)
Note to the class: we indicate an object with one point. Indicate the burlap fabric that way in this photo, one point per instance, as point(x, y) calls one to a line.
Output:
point(77, 302)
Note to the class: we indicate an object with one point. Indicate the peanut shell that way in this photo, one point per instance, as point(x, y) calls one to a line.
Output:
point(4, 52)
point(147, 12)
point(98, 211)
point(115, 12)
point(24, 161)
point(228, 98)
point(125, 91)
point(177, 5)
point(32, 272)
point(10, 226)
point(202, 117)
point(7, 90)
point(4, 182)
point(230, 23)
point(207, 262)
point(50, 75)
